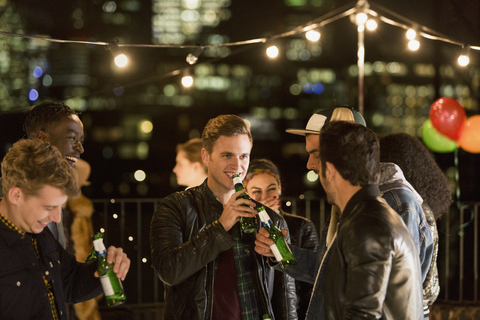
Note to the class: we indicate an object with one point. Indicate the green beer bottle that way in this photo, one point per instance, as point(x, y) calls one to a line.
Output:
point(248, 225)
point(280, 248)
point(112, 286)
point(266, 317)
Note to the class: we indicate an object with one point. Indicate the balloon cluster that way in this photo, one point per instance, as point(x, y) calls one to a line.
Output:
point(448, 128)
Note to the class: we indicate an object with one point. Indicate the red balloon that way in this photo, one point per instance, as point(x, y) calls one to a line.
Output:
point(448, 117)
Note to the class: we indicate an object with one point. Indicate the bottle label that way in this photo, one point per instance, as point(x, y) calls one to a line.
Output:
point(99, 246)
point(265, 218)
point(276, 253)
point(107, 286)
point(237, 180)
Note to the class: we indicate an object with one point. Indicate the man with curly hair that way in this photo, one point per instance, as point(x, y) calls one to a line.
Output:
point(59, 125)
point(37, 275)
point(427, 178)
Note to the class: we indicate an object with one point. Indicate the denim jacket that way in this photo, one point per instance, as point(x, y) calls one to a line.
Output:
point(403, 199)
point(401, 196)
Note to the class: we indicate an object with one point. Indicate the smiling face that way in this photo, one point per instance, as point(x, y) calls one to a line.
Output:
point(229, 155)
point(262, 187)
point(33, 213)
point(67, 136)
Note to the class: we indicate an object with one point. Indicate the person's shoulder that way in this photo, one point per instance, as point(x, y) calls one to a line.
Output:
point(294, 217)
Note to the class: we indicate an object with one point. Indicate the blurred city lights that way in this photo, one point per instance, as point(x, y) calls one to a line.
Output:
point(37, 72)
point(140, 175)
point(47, 80)
point(312, 176)
point(146, 126)
point(33, 95)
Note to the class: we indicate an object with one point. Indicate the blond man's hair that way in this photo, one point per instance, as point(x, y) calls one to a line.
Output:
point(32, 164)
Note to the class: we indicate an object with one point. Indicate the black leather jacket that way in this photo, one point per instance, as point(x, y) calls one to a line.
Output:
point(374, 269)
point(186, 238)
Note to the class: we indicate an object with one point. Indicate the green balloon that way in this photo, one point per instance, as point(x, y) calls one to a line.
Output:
point(435, 141)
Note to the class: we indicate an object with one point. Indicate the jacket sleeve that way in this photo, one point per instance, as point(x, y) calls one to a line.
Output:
point(309, 236)
point(175, 259)
point(79, 282)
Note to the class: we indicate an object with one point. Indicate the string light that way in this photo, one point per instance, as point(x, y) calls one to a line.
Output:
point(313, 35)
point(463, 59)
point(187, 81)
point(361, 18)
point(371, 24)
point(120, 59)
point(413, 43)
point(272, 51)
point(411, 34)
point(359, 14)
point(192, 58)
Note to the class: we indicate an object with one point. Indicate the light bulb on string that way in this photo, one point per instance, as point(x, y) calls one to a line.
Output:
point(413, 45)
point(187, 79)
point(411, 34)
point(361, 18)
point(272, 51)
point(120, 59)
point(371, 24)
point(192, 57)
point(313, 35)
point(463, 59)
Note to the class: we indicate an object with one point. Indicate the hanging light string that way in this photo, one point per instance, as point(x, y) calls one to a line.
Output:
point(317, 23)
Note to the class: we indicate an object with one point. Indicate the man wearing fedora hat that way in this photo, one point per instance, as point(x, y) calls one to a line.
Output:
point(394, 188)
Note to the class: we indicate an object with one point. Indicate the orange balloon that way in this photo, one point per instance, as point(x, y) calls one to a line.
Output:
point(470, 138)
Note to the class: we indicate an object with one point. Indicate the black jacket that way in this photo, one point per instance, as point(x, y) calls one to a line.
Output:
point(186, 238)
point(23, 293)
point(374, 268)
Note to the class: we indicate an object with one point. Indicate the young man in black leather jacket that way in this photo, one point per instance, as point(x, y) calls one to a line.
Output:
point(208, 266)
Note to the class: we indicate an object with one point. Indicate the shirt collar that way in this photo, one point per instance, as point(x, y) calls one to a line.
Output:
point(367, 191)
point(10, 232)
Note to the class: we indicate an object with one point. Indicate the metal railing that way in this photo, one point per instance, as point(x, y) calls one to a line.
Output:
point(127, 224)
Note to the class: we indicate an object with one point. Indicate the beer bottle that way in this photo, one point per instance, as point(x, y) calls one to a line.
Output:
point(280, 248)
point(112, 286)
point(266, 316)
point(249, 224)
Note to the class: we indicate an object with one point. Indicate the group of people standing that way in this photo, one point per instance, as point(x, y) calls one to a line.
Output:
point(376, 259)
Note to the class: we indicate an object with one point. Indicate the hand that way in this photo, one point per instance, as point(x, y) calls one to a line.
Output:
point(120, 260)
point(273, 203)
point(263, 242)
point(235, 209)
